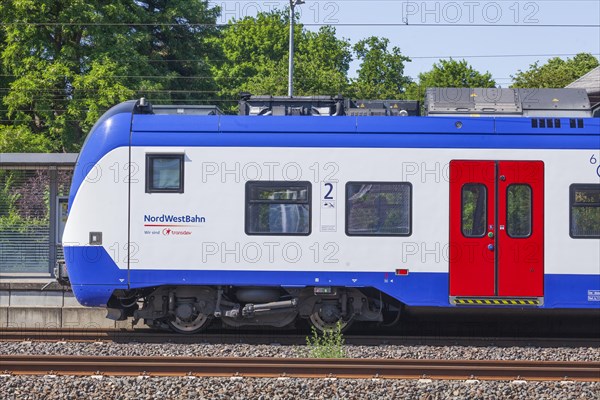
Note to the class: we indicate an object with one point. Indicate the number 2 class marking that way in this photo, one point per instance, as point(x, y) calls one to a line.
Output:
point(328, 194)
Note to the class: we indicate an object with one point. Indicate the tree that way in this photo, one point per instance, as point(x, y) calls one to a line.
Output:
point(555, 73)
point(449, 73)
point(46, 59)
point(381, 72)
point(255, 58)
point(71, 60)
point(177, 46)
point(322, 63)
point(20, 139)
point(15, 139)
point(5, 80)
point(253, 52)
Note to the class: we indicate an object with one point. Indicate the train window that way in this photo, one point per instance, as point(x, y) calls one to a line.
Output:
point(518, 212)
point(278, 208)
point(585, 211)
point(474, 210)
point(164, 173)
point(378, 208)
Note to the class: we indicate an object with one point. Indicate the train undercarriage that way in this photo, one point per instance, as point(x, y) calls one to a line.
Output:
point(190, 309)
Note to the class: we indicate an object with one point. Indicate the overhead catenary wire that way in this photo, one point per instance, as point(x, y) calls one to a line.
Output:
point(420, 1)
point(417, 57)
point(309, 24)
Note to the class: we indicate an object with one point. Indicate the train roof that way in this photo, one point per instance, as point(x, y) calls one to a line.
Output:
point(206, 126)
point(450, 125)
point(132, 124)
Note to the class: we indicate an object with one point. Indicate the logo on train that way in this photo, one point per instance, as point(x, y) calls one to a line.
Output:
point(193, 219)
point(170, 225)
point(173, 232)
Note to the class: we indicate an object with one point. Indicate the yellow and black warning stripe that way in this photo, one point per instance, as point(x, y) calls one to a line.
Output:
point(496, 302)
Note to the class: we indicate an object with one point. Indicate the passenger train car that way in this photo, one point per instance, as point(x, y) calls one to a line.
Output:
point(337, 211)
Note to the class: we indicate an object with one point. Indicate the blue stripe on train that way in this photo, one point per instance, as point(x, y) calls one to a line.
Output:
point(96, 276)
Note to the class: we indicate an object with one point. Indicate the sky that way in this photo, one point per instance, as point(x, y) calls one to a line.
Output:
point(501, 36)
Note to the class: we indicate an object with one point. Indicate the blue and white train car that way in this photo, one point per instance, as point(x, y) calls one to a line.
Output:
point(177, 218)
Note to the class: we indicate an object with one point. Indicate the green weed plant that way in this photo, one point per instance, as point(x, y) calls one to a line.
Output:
point(328, 344)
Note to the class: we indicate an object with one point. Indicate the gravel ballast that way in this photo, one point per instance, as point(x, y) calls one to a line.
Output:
point(62, 387)
point(25, 388)
point(247, 350)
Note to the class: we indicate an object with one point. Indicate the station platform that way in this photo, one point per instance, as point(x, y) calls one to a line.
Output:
point(43, 303)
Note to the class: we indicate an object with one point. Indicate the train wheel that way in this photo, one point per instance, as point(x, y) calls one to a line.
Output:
point(192, 325)
point(328, 317)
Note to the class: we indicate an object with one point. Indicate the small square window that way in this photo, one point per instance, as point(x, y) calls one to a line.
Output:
point(164, 173)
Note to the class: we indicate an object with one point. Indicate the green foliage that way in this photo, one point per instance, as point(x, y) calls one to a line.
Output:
point(449, 73)
point(21, 207)
point(328, 344)
point(253, 53)
point(20, 139)
point(322, 63)
point(381, 72)
point(66, 62)
point(10, 219)
point(255, 58)
point(8, 199)
point(5, 80)
point(17, 224)
point(555, 73)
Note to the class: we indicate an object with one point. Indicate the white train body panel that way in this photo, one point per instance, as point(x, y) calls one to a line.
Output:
point(221, 243)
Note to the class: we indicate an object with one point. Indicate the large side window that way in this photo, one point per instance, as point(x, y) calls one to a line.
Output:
point(585, 210)
point(164, 173)
point(278, 208)
point(378, 208)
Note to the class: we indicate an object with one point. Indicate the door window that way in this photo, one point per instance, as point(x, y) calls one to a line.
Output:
point(518, 213)
point(474, 209)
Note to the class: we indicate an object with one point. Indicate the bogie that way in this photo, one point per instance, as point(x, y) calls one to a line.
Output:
point(190, 309)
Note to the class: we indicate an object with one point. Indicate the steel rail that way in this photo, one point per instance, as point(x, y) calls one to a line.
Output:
point(300, 367)
point(284, 338)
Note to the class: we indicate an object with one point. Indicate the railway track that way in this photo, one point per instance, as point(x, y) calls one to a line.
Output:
point(299, 368)
point(283, 338)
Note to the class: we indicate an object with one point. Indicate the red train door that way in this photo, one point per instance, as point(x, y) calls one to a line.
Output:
point(496, 231)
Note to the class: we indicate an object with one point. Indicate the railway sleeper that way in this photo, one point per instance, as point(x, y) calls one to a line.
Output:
point(190, 309)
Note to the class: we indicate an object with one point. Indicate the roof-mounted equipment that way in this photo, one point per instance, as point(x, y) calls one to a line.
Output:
point(573, 103)
point(143, 106)
point(324, 106)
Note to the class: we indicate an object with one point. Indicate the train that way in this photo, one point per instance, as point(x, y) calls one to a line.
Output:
point(332, 210)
